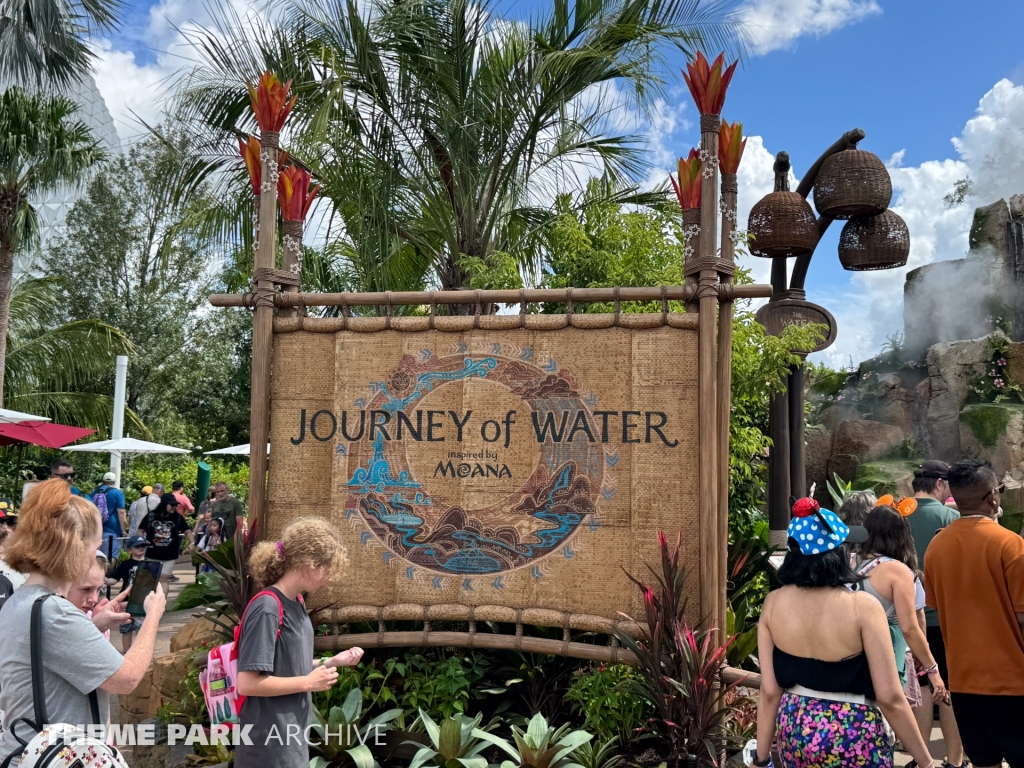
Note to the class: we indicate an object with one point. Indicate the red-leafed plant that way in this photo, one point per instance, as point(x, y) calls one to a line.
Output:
point(688, 187)
point(678, 668)
point(250, 151)
point(730, 146)
point(295, 192)
point(708, 83)
point(270, 102)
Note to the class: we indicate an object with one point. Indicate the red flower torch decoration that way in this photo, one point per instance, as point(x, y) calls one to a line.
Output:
point(708, 84)
point(250, 151)
point(730, 146)
point(293, 189)
point(688, 187)
point(270, 102)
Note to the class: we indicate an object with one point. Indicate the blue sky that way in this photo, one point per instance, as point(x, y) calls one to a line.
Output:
point(915, 74)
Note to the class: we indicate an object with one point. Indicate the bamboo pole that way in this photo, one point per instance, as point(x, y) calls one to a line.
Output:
point(725, 315)
point(707, 296)
point(532, 296)
point(263, 326)
point(291, 257)
point(427, 639)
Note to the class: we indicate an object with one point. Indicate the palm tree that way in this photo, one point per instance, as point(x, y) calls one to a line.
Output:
point(42, 42)
point(42, 147)
point(434, 124)
point(50, 368)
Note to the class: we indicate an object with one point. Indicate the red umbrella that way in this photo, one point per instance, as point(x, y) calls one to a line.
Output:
point(42, 433)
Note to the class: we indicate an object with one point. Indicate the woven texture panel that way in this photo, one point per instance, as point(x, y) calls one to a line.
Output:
point(519, 468)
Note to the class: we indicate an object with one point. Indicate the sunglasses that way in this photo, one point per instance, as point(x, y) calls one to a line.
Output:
point(998, 489)
point(66, 476)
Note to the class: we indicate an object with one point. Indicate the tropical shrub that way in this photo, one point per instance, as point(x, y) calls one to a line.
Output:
point(343, 741)
point(458, 742)
point(678, 668)
point(543, 746)
point(610, 710)
point(599, 755)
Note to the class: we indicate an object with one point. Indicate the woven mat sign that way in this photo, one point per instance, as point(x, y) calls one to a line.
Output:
point(520, 468)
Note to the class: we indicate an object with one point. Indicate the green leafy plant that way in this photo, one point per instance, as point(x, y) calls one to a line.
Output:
point(344, 742)
point(192, 704)
point(457, 743)
point(995, 385)
point(210, 754)
point(611, 711)
point(543, 746)
point(743, 630)
point(839, 490)
point(599, 755)
point(439, 688)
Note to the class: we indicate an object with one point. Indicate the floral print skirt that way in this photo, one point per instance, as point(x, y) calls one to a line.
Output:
point(820, 733)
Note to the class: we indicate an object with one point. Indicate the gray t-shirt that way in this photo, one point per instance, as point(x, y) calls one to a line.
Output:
point(291, 655)
point(77, 659)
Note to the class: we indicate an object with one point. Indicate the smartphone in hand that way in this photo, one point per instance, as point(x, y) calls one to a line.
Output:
point(147, 576)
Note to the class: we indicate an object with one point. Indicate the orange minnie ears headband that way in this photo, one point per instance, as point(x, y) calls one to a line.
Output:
point(905, 507)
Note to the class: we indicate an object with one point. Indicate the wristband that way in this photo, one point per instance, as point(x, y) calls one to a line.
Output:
point(932, 669)
point(766, 764)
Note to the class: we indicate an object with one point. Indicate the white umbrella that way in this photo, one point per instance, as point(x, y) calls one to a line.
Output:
point(234, 450)
point(125, 446)
point(16, 417)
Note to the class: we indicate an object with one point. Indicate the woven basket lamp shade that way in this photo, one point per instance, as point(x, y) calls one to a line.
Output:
point(874, 242)
point(852, 183)
point(782, 224)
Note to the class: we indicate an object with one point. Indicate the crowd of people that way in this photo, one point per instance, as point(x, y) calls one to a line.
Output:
point(886, 600)
point(890, 613)
point(59, 554)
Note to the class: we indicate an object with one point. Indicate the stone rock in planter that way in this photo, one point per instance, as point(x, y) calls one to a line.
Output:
point(138, 705)
point(177, 756)
point(951, 368)
point(993, 432)
point(193, 634)
point(857, 442)
point(169, 676)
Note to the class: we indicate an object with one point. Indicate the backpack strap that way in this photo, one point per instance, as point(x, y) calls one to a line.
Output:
point(280, 612)
point(36, 642)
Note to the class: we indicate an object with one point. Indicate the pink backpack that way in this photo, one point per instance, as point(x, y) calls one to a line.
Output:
point(219, 679)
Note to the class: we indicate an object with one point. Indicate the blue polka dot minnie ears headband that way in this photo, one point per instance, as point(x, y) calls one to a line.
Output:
point(817, 530)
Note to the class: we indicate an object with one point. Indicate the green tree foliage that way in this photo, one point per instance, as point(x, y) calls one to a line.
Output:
point(50, 366)
point(134, 257)
point(43, 146)
point(438, 129)
point(607, 245)
point(44, 41)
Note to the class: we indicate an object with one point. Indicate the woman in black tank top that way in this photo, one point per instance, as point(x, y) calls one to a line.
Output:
point(824, 701)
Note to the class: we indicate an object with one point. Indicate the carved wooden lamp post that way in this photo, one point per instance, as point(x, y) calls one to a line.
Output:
point(848, 183)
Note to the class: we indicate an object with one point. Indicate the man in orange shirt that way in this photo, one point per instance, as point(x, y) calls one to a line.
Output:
point(974, 578)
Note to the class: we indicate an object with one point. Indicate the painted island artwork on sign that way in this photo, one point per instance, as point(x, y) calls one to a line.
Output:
point(486, 467)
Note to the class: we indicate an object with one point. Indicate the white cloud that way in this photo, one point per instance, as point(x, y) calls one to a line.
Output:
point(991, 151)
point(775, 24)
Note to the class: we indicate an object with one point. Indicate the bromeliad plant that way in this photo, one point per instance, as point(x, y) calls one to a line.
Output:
point(295, 190)
point(270, 103)
point(457, 743)
point(344, 742)
point(708, 84)
point(544, 746)
point(250, 152)
point(688, 187)
point(730, 147)
point(678, 668)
